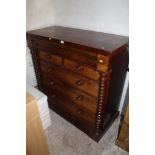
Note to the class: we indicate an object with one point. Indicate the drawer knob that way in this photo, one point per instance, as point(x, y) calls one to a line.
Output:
point(78, 68)
point(49, 38)
point(80, 82)
point(52, 83)
point(53, 96)
point(100, 61)
point(49, 70)
point(79, 111)
point(79, 98)
point(48, 56)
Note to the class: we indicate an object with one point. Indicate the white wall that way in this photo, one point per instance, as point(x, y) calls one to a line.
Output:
point(110, 16)
point(38, 14)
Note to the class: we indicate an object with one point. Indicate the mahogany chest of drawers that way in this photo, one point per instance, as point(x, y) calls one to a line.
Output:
point(82, 72)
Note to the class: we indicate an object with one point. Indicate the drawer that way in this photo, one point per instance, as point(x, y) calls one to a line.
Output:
point(74, 113)
point(71, 79)
point(66, 51)
point(56, 88)
point(50, 57)
point(81, 69)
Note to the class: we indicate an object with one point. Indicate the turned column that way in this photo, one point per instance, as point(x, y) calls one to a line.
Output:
point(36, 67)
point(102, 97)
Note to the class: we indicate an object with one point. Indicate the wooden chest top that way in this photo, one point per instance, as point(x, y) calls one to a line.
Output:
point(103, 42)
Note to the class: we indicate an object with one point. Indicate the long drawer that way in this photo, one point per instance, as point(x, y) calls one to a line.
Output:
point(81, 83)
point(74, 113)
point(57, 88)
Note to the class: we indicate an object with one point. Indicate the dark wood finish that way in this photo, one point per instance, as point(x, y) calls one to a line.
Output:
point(82, 73)
point(119, 66)
point(81, 69)
point(77, 116)
point(66, 51)
point(76, 81)
point(57, 60)
point(103, 41)
point(54, 86)
point(102, 98)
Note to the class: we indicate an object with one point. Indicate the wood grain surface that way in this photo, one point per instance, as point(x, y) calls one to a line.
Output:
point(82, 72)
point(35, 138)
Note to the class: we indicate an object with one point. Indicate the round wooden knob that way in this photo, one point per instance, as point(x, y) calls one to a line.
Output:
point(52, 83)
point(48, 56)
point(53, 96)
point(100, 61)
point(78, 68)
point(80, 82)
point(79, 111)
point(49, 70)
point(79, 98)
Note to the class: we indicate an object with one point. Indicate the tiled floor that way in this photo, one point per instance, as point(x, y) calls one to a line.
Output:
point(65, 139)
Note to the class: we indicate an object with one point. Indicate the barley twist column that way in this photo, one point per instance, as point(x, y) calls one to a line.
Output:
point(36, 67)
point(102, 96)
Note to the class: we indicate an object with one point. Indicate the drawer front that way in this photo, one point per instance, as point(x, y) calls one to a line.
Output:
point(75, 114)
point(81, 83)
point(56, 88)
point(54, 59)
point(81, 69)
point(82, 56)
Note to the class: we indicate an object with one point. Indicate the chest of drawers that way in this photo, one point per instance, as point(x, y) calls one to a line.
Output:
point(82, 72)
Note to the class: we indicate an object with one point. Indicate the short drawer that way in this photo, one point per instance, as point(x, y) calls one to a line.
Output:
point(55, 87)
point(57, 60)
point(81, 69)
point(81, 83)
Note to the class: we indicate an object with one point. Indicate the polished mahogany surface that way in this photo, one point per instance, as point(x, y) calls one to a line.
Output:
point(82, 72)
point(98, 40)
